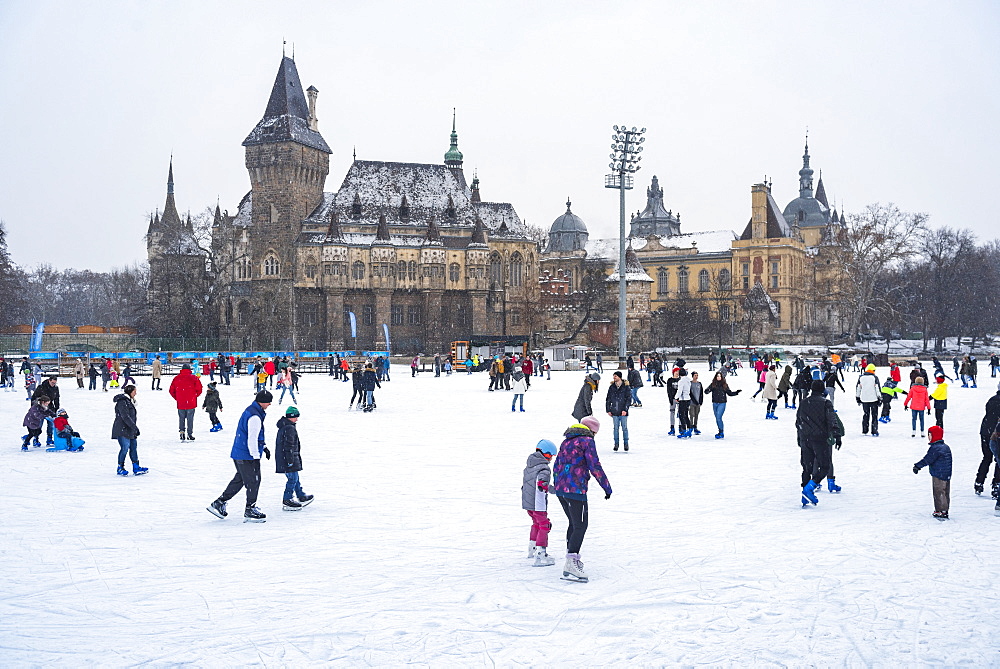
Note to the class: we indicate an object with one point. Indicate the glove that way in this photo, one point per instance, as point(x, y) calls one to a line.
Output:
point(739, 391)
point(608, 496)
point(267, 453)
point(916, 469)
point(859, 400)
point(839, 444)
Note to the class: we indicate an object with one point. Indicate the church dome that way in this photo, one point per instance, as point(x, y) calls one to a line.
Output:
point(806, 212)
point(568, 222)
point(568, 232)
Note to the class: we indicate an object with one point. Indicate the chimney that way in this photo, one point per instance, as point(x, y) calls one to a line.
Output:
point(312, 92)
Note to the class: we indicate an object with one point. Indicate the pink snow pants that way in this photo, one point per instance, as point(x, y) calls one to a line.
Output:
point(540, 526)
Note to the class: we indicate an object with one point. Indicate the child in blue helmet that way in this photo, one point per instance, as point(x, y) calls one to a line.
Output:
point(535, 500)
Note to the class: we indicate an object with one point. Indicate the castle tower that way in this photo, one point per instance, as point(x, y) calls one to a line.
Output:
point(453, 157)
point(288, 161)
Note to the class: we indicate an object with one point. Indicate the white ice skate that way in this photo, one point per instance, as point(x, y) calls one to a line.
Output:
point(542, 558)
point(573, 569)
point(531, 549)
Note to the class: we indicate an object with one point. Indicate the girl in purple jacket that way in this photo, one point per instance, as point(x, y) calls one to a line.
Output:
point(576, 463)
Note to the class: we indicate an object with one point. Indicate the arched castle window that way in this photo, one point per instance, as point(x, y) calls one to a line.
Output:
point(358, 270)
point(244, 314)
point(662, 281)
point(496, 269)
point(311, 271)
point(703, 281)
point(401, 269)
point(516, 270)
point(682, 280)
point(725, 279)
point(454, 271)
point(411, 270)
point(271, 266)
point(229, 312)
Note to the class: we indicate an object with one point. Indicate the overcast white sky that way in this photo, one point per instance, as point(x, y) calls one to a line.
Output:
point(901, 100)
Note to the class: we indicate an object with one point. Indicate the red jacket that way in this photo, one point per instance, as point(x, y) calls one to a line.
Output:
point(527, 367)
point(917, 399)
point(894, 373)
point(269, 368)
point(185, 388)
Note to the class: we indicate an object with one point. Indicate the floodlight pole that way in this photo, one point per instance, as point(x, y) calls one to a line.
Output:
point(624, 162)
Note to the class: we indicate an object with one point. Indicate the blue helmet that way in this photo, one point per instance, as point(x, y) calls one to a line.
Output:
point(546, 446)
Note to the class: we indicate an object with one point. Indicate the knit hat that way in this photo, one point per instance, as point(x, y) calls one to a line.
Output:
point(870, 368)
point(292, 412)
point(546, 446)
point(818, 387)
point(592, 424)
point(62, 412)
point(595, 377)
point(935, 433)
point(185, 366)
point(264, 397)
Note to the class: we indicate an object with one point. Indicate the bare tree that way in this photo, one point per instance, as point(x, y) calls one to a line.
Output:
point(12, 285)
point(878, 239)
point(948, 255)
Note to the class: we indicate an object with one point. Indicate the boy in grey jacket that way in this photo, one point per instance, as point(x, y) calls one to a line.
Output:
point(534, 500)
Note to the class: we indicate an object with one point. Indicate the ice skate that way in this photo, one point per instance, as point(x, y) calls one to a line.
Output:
point(543, 559)
point(809, 492)
point(672, 431)
point(531, 549)
point(941, 515)
point(253, 515)
point(305, 500)
point(978, 488)
point(190, 437)
point(24, 448)
point(137, 470)
point(217, 508)
point(831, 485)
point(573, 569)
point(182, 435)
point(290, 505)
point(626, 448)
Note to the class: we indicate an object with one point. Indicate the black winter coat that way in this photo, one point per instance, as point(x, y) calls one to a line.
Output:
point(720, 392)
point(50, 391)
point(370, 380)
point(212, 402)
point(672, 388)
point(125, 425)
point(803, 380)
point(991, 418)
point(287, 457)
point(619, 399)
point(635, 378)
point(815, 419)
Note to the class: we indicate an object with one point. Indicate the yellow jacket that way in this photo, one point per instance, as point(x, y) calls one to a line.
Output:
point(941, 392)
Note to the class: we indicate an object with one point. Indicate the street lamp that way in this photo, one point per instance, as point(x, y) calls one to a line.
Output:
point(625, 150)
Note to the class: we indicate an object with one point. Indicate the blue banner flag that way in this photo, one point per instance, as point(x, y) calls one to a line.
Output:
point(36, 341)
point(388, 347)
point(354, 324)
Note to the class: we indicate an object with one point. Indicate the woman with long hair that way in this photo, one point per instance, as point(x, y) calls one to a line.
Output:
point(720, 392)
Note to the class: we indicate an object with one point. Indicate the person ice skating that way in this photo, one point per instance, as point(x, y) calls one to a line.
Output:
point(973, 370)
point(157, 368)
point(868, 393)
point(369, 381)
point(213, 404)
point(535, 500)
point(917, 401)
point(683, 399)
point(357, 377)
point(986, 429)
point(617, 403)
point(994, 363)
point(34, 419)
point(414, 366)
point(831, 379)
point(801, 385)
point(125, 430)
point(50, 389)
point(634, 383)
point(815, 422)
point(938, 462)
point(582, 408)
point(185, 389)
point(520, 387)
point(940, 397)
point(720, 392)
point(672, 382)
point(248, 447)
point(79, 371)
point(576, 462)
point(761, 379)
point(288, 460)
point(286, 384)
point(771, 392)
point(697, 398)
point(92, 373)
point(785, 385)
point(889, 392)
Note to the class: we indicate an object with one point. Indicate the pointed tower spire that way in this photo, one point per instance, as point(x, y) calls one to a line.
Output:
point(475, 188)
point(806, 173)
point(821, 191)
point(453, 158)
point(217, 221)
point(171, 219)
point(479, 233)
point(287, 116)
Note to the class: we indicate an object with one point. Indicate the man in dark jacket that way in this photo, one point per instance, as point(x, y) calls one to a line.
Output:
point(126, 431)
point(369, 380)
point(986, 429)
point(48, 389)
point(618, 401)
point(634, 383)
point(288, 460)
point(815, 421)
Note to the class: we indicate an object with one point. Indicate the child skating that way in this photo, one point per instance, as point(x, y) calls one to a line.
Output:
point(535, 500)
point(34, 420)
point(288, 460)
point(213, 404)
point(520, 387)
point(938, 461)
point(889, 392)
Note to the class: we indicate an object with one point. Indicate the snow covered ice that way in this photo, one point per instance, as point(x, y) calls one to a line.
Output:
point(414, 549)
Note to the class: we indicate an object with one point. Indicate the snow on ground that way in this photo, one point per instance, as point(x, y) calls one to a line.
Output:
point(413, 552)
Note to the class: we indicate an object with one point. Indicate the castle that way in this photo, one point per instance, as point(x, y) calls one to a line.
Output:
point(409, 246)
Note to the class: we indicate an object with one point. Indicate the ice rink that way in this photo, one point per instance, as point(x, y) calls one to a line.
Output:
point(413, 552)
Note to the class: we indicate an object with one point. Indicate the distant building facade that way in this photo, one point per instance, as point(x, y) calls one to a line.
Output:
point(410, 246)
